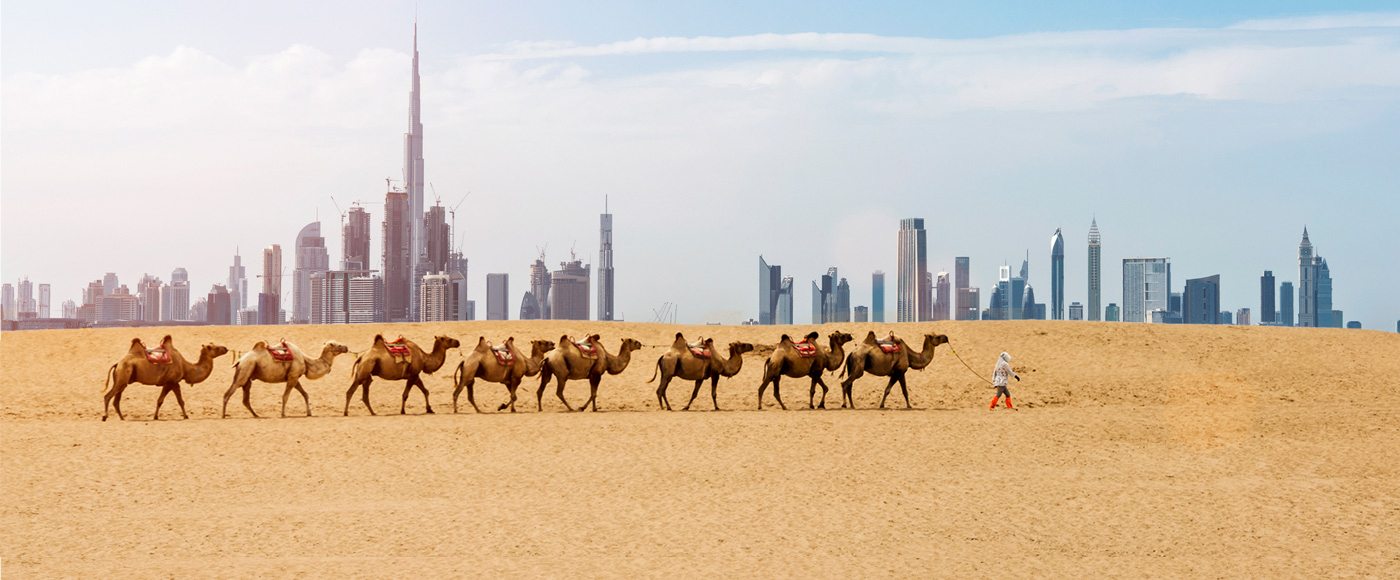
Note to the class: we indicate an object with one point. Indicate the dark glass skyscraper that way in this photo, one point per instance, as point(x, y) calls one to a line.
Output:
point(1095, 269)
point(877, 296)
point(605, 265)
point(1057, 276)
point(770, 280)
point(1285, 301)
point(1202, 300)
point(1266, 298)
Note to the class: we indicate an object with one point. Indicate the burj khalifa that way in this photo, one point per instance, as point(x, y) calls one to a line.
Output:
point(413, 179)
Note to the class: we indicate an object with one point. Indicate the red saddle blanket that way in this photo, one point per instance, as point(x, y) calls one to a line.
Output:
point(504, 356)
point(158, 356)
point(888, 347)
point(281, 352)
point(699, 351)
point(805, 349)
point(398, 347)
point(587, 349)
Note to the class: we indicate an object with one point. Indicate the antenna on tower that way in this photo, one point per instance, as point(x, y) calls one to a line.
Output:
point(453, 212)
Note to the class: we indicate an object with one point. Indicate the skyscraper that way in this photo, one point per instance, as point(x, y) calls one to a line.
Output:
point(7, 302)
point(1201, 304)
point(497, 296)
point(1057, 276)
point(311, 258)
point(843, 301)
point(568, 290)
point(1266, 298)
point(539, 286)
point(1000, 308)
point(529, 307)
point(237, 286)
point(877, 296)
point(770, 287)
point(355, 239)
point(28, 307)
point(1095, 269)
point(437, 240)
point(346, 296)
point(411, 225)
point(433, 298)
point(218, 306)
point(1326, 316)
point(175, 297)
point(913, 271)
point(1076, 311)
point(861, 314)
point(1243, 317)
point(943, 299)
point(270, 299)
point(398, 261)
point(44, 297)
point(964, 306)
point(605, 264)
point(1110, 313)
point(1146, 285)
point(784, 313)
point(109, 283)
point(1285, 302)
point(148, 291)
point(1307, 283)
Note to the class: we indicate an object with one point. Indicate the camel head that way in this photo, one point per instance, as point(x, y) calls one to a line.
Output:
point(445, 342)
point(628, 345)
point(337, 348)
point(939, 339)
point(837, 338)
point(738, 348)
point(539, 347)
point(211, 350)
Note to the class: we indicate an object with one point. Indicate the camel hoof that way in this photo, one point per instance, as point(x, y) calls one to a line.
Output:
point(430, 411)
point(104, 418)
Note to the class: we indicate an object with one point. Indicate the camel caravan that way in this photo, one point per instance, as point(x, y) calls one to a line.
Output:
point(567, 359)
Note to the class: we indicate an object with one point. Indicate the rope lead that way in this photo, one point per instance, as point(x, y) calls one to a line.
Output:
point(969, 367)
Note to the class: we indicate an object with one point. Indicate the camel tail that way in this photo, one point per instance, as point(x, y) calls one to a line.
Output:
point(657, 370)
point(108, 378)
point(456, 374)
point(850, 359)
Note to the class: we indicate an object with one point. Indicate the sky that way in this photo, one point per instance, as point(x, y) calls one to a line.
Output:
point(141, 137)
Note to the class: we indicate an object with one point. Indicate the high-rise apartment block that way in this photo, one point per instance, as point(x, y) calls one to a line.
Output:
point(1201, 304)
point(1057, 276)
point(606, 274)
point(498, 296)
point(1095, 269)
point(912, 291)
point(1266, 298)
point(311, 258)
point(877, 296)
point(568, 291)
point(1146, 287)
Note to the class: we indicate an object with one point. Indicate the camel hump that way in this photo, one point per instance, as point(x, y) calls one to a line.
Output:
point(167, 341)
point(378, 339)
point(261, 345)
point(870, 338)
point(679, 336)
point(785, 338)
point(813, 335)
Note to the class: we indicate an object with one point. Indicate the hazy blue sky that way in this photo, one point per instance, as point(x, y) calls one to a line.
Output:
point(137, 137)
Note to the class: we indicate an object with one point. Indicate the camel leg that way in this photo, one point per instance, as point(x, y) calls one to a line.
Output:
point(117, 401)
point(593, 393)
point(457, 392)
point(305, 398)
point(853, 372)
point(164, 390)
point(364, 395)
point(511, 388)
point(285, 393)
point(777, 394)
point(418, 382)
point(118, 385)
point(179, 398)
point(539, 394)
point(560, 392)
point(818, 381)
point(905, 388)
point(887, 391)
point(407, 388)
point(763, 387)
point(661, 393)
point(714, 391)
point(693, 394)
point(247, 398)
point(471, 394)
point(349, 394)
point(229, 393)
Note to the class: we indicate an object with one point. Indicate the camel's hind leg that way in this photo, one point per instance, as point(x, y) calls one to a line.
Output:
point(853, 371)
point(593, 394)
point(539, 394)
point(893, 380)
point(511, 386)
point(777, 394)
point(661, 401)
point(410, 383)
point(304, 398)
point(117, 400)
point(229, 393)
point(364, 395)
point(905, 389)
point(118, 385)
point(349, 394)
point(559, 390)
point(471, 394)
point(164, 390)
point(247, 398)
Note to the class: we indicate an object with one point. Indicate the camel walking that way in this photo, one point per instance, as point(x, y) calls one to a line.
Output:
point(503, 364)
point(697, 362)
point(163, 366)
point(802, 359)
point(401, 360)
point(572, 360)
point(890, 358)
point(281, 363)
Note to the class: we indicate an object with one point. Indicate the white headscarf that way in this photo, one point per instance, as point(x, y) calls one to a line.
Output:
point(1006, 357)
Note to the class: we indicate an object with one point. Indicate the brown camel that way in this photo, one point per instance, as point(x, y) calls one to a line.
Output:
point(788, 360)
point(682, 362)
point(568, 361)
point(485, 363)
point(409, 365)
point(261, 364)
point(871, 357)
point(135, 367)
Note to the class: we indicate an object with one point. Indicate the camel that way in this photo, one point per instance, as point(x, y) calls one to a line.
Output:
point(484, 363)
point(871, 358)
point(568, 362)
point(786, 360)
point(135, 367)
point(260, 364)
point(682, 362)
point(409, 367)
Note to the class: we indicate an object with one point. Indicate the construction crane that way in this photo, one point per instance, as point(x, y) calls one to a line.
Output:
point(665, 314)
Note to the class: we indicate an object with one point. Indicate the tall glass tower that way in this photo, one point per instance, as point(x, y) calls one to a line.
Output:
point(1095, 269)
point(912, 289)
point(1057, 276)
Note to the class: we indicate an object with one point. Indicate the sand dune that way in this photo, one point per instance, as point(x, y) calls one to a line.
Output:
point(1162, 450)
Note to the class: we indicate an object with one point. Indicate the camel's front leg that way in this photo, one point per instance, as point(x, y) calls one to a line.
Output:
point(592, 393)
point(180, 398)
point(693, 393)
point(905, 388)
point(247, 398)
point(304, 398)
point(714, 391)
point(889, 386)
point(817, 380)
point(559, 390)
point(227, 394)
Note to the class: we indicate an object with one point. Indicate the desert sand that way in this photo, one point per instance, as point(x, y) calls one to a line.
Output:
point(1138, 450)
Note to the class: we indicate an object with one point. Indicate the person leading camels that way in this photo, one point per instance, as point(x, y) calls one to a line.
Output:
point(807, 358)
point(696, 362)
point(163, 366)
point(401, 360)
point(571, 360)
point(502, 364)
point(280, 363)
point(890, 358)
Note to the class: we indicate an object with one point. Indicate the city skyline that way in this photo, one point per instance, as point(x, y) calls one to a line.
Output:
point(865, 201)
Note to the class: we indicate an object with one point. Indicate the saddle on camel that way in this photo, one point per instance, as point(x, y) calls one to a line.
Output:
point(280, 351)
point(700, 348)
point(399, 349)
point(889, 345)
point(159, 355)
point(586, 348)
point(807, 347)
point(503, 355)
